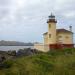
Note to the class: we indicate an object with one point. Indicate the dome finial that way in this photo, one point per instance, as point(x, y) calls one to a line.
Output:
point(51, 16)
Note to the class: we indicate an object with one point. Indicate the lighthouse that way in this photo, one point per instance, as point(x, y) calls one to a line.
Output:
point(50, 36)
point(55, 38)
point(51, 29)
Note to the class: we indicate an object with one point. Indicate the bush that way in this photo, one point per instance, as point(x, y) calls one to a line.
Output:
point(68, 51)
point(71, 66)
point(7, 64)
point(45, 65)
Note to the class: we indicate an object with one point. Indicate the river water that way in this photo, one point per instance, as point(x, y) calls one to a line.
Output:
point(7, 48)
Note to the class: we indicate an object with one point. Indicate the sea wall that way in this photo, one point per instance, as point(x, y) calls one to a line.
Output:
point(41, 47)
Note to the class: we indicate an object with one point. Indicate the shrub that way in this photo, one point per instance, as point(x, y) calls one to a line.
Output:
point(68, 51)
point(71, 66)
point(7, 64)
point(45, 65)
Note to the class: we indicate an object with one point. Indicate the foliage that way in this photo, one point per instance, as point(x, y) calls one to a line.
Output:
point(6, 64)
point(58, 62)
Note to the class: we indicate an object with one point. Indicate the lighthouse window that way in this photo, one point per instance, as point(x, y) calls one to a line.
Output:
point(49, 25)
point(67, 37)
point(60, 36)
point(49, 35)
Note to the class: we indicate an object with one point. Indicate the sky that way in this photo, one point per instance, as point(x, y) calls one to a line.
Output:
point(26, 20)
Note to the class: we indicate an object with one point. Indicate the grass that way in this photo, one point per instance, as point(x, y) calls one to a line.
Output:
point(51, 63)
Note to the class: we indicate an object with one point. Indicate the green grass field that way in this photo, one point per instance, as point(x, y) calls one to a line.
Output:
point(51, 63)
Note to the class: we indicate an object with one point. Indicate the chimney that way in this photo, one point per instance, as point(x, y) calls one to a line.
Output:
point(70, 27)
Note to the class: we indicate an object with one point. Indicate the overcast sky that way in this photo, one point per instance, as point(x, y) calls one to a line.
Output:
point(25, 20)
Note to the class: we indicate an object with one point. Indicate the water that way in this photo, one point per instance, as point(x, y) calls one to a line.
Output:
point(7, 48)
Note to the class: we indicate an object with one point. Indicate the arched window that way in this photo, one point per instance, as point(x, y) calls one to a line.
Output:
point(49, 35)
point(49, 25)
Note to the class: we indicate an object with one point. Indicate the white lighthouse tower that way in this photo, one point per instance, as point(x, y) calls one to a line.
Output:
point(51, 29)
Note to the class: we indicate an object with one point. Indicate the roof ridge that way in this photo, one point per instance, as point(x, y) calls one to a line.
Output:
point(63, 30)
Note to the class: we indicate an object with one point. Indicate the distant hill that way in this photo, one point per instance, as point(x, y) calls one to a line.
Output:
point(14, 43)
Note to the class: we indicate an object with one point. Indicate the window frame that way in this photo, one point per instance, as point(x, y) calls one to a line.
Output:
point(49, 35)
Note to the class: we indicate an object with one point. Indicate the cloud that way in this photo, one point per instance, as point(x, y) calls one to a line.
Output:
point(25, 18)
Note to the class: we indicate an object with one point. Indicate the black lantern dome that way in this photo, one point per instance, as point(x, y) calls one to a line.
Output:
point(52, 19)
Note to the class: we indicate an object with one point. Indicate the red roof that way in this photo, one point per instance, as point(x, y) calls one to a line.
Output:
point(61, 30)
